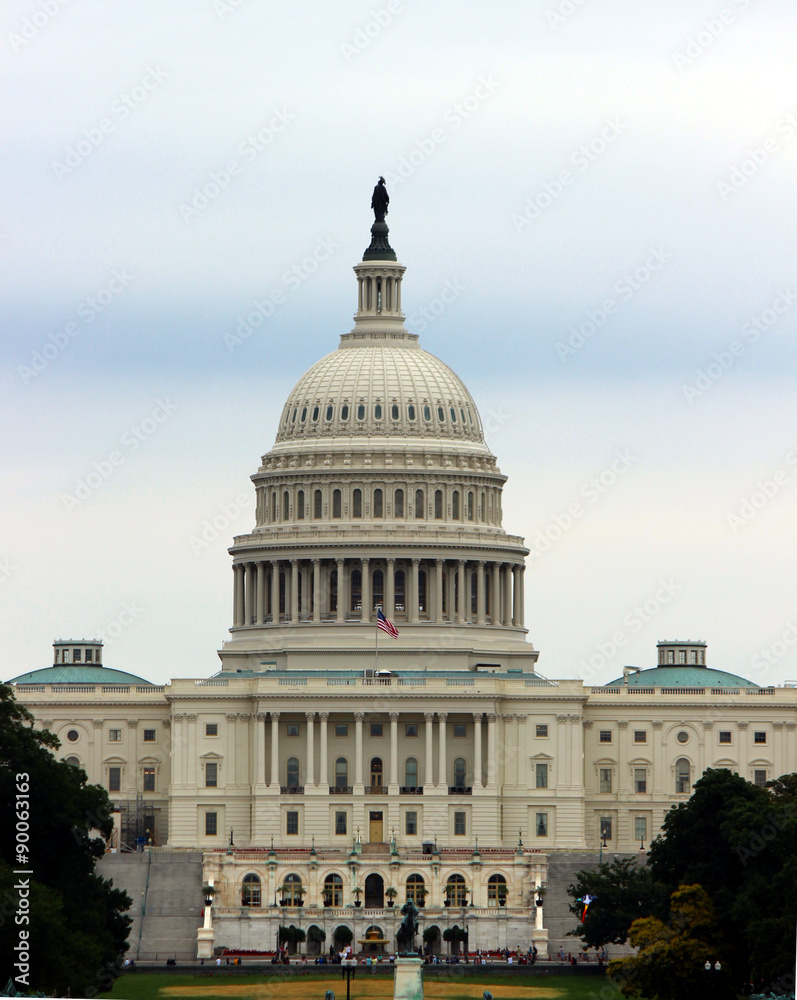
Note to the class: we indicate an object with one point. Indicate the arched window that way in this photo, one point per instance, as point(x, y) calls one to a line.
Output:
point(455, 505)
point(474, 593)
point(341, 773)
point(400, 606)
point(273, 507)
point(72, 761)
point(394, 412)
point(422, 590)
point(411, 773)
point(300, 505)
point(378, 588)
point(470, 506)
point(378, 504)
point(497, 890)
point(456, 891)
point(315, 414)
point(441, 416)
point(377, 411)
point(361, 411)
point(438, 505)
point(411, 412)
point(250, 890)
point(460, 771)
point(419, 503)
point(318, 505)
point(304, 414)
point(356, 590)
point(453, 415)
point(329, 413)
point(683, 776)
point(292, 891)
point(376, 772)
point(357, 503)
point(336, 503)
point(286, 505)
point(416, 889)
point(427, 413)
point(293, 772)
point(333, 890)
point(398, 503)
point(344, 412)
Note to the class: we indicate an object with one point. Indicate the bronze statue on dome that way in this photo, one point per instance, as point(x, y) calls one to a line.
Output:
point(380, 200)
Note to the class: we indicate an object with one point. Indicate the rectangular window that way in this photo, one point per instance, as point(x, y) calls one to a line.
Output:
point(88, 656)
point(411, 823)
point(76, 656)
point(340, 823)
point(640, 828)
point(293, 729)
point(114, 779)
point(460, 729)
point(606, 828)
point(725, 736)
point(760, 778)
point(411, 729)
point(640, 736)
point(542, 824)
point(292, 823)
point(605, 774)
point(640, 779)
point(211, 729)
point(211, 824)
point(114, 735)
point(605, 736)
point(149, 779)
point(341, 729)
point(759, 737)
point(376, 729)
point(542, 775)
point(460, 823)
point(211, 775)
point(149, 735)
point(541, 730)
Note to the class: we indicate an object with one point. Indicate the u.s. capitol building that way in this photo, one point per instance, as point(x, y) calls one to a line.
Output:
point(330, 771)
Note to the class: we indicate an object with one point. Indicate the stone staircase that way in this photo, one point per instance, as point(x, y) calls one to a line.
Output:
point(173, 901)
point(562, 868)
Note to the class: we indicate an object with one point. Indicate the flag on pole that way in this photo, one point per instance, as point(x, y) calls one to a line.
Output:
point(386, 625)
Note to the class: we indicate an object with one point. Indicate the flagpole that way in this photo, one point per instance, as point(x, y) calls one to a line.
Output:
point(376, 640)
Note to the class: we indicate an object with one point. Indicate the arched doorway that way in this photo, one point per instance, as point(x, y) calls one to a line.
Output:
point(374, 891)
point(343, 936)
point(315, 940)
point(431, 940)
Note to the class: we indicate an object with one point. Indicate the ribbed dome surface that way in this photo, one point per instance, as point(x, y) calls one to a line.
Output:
point(682, 676)
point(374, 388)
point(78, 673)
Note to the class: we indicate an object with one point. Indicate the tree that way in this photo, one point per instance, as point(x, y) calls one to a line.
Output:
point(671, 957)
point(454, 936)
point(53, 822)
point(623, 890)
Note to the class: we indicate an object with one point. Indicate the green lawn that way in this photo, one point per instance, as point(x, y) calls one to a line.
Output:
point(157, 986)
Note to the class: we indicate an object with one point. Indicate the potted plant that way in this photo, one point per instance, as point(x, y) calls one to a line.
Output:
point(327, 899)
point(298, 896)
point(540, 896)
point(208, 891)
point(502, 890)
point(420, 896)
point(357, 893)
point(391, 894)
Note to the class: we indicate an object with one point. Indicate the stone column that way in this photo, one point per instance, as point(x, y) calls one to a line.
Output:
point(310, 779)
point(238, 595)
point(275, 748)
point(778, 754)
point(507, 594)
point(480, 612)
point(495, 601)
point(478, 780)
point(390, 589)
point(427, 769)
point(249, 595)
point(275, 592)
point(358, 748)
point(259, 731)
point(294, 610)
point(323, 764)
point(624, 776)
point(516, 616)
point(341, 615)
point(232, 755)
point(442, 764)
point(394, 780)
point(460, 614)
point(316, 590)
point(415, 592)
point(492, 763)
point(366, 590)
point(522, 760)
point(260, 614)
point(438, 590)
point(522, 597)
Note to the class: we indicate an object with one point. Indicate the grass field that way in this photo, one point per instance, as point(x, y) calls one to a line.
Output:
point(156, 986)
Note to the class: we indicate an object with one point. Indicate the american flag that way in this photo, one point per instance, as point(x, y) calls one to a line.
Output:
point(386, 625)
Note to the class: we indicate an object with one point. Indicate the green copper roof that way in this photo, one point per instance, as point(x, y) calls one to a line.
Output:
point(682, 676)
point(77, 673)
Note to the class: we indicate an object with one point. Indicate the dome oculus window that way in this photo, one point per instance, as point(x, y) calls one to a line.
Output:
point(293, 418)
point(73, 735)
point(304, 414)
point(411, 412)
point(427, 413)
point(361, 411)
point(682, 737)
point(394, 412)
point(378, 411)
point(344, 412)
point(453, 415)
point(329, 413)
point(315, 414)
point(441, 414)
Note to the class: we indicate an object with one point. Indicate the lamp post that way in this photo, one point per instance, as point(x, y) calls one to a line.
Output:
point(603, 844)
point(642, 844)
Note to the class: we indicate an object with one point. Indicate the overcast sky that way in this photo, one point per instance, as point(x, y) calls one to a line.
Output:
point(607, 185)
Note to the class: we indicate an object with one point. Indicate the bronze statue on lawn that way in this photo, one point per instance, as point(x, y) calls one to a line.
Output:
point(405, 935)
